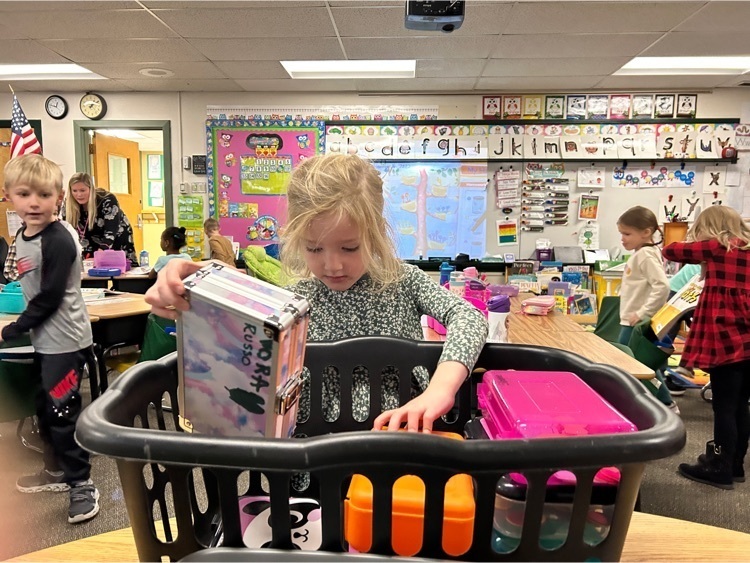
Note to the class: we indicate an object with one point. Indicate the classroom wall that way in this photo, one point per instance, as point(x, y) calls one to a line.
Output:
point(187, 114)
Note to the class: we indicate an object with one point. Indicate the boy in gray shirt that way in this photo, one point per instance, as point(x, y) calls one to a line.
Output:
point(49, 269)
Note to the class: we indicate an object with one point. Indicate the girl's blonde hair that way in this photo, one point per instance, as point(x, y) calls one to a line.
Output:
point(641, 218)
point(722, 223)
point(34, 171)
point(72, 208)
point(341, 186)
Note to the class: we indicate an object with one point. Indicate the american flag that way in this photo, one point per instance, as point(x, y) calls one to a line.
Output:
point(22, 137)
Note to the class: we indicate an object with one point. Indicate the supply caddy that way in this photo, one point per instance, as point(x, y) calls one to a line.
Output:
point(241, 349)
point(199, 478)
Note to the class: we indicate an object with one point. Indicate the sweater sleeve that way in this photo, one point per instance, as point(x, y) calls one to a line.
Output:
point(692, 252)
point(466, 326)
point(58, 257)
point(653, 270)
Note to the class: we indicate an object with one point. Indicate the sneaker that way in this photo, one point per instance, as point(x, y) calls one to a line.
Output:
point(674, 408)
point(44, 481)
point(675, 389)
point(84, 502)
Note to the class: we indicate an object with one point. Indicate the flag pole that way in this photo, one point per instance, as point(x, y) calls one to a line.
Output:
point(11, 89)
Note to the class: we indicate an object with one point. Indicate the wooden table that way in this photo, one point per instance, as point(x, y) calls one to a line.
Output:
point(586, 344)
point(650, 538)
point(554, 321)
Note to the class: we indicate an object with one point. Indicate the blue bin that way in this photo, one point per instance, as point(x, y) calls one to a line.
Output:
point(11, 299)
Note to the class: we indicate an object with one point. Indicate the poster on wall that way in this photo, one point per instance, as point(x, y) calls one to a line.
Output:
point(436, 208)
point(248, 167)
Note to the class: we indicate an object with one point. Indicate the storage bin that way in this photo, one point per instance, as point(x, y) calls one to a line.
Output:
point(11, 299)
point(111, 259)
point(198, 477)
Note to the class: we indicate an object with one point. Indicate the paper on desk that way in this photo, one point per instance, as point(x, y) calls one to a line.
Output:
point(14, 222)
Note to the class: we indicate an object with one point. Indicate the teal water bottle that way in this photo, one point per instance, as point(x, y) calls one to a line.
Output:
point(445, 273)
point(143, 259)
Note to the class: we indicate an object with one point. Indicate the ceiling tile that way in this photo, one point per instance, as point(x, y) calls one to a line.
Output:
point(87, 23)
point(9, 32)
point(70, 86)
point(572, 45)
point(661, 82)
point(553, 67)
point(444, 47)
point(538, 83)
point(415, 84)
point(124, 50)
point(283, 49)
point(290, 85)
point(256, 22)
point(62, 5)
point(359, 21)
point(26, 51)
point(194, 69)
point(599, 17)
point(252, 69)
point(682, 44)
point(721, 17)
point(437, 68)
point(176, 85)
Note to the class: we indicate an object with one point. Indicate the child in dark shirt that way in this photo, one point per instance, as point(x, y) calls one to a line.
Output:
point(49, 269)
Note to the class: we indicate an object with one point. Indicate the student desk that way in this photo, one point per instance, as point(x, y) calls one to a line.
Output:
point(128, 283)
point(650, 538)
point(120, 321)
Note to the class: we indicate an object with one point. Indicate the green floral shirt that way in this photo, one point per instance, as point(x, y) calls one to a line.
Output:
point(395, 311)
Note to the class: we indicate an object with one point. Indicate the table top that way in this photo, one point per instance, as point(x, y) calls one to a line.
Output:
point(650, 538)
point(586, 344)
point(123, 305)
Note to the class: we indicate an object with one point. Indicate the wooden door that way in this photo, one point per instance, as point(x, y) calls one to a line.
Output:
point(4, 205)
point(124, 155)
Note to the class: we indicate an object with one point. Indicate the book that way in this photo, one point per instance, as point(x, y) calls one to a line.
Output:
point(680, 306)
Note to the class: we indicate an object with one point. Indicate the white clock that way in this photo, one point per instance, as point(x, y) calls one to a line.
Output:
point(56, 107)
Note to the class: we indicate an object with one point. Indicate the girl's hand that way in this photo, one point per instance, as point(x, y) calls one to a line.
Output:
point(633, 319)
point(166, 296)
point(436, 400)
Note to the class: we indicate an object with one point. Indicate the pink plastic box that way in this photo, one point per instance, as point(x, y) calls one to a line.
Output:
point(111, 259)
point(534, 404)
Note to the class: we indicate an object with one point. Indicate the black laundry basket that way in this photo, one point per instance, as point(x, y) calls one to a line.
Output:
point(165, 472)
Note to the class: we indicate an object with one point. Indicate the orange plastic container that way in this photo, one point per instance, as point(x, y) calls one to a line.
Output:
point(407, 526)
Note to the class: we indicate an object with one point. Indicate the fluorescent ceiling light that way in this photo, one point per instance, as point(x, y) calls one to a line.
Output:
point(351, 69)
point(121, 133)
point(47, 72)
point(685, 65)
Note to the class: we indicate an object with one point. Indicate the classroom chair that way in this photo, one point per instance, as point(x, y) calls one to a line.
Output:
point(156, 342)
point(608, 320)
point(18, 387)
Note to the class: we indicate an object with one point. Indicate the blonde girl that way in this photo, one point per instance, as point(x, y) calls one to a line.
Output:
point(339, 248)
point(97, 217)
point(719, 338)
point(644, 286)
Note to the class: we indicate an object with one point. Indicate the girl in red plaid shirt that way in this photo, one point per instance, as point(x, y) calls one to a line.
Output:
point(719, 338)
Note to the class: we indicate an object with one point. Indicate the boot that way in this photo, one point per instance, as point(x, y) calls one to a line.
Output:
point(738, 467)
point(715, 470)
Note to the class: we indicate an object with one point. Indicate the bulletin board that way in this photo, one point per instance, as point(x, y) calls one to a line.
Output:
point(248, 168)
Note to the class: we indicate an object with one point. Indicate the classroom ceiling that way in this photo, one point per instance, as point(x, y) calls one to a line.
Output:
point(219, 46)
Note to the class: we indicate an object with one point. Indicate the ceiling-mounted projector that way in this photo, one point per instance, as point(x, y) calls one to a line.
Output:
point(434, 16)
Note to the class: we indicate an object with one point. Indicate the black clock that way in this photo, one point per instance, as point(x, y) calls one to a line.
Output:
point(93, 106)
point(56, 107)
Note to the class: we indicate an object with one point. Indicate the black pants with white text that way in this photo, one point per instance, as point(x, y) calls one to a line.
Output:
point(58, 406)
